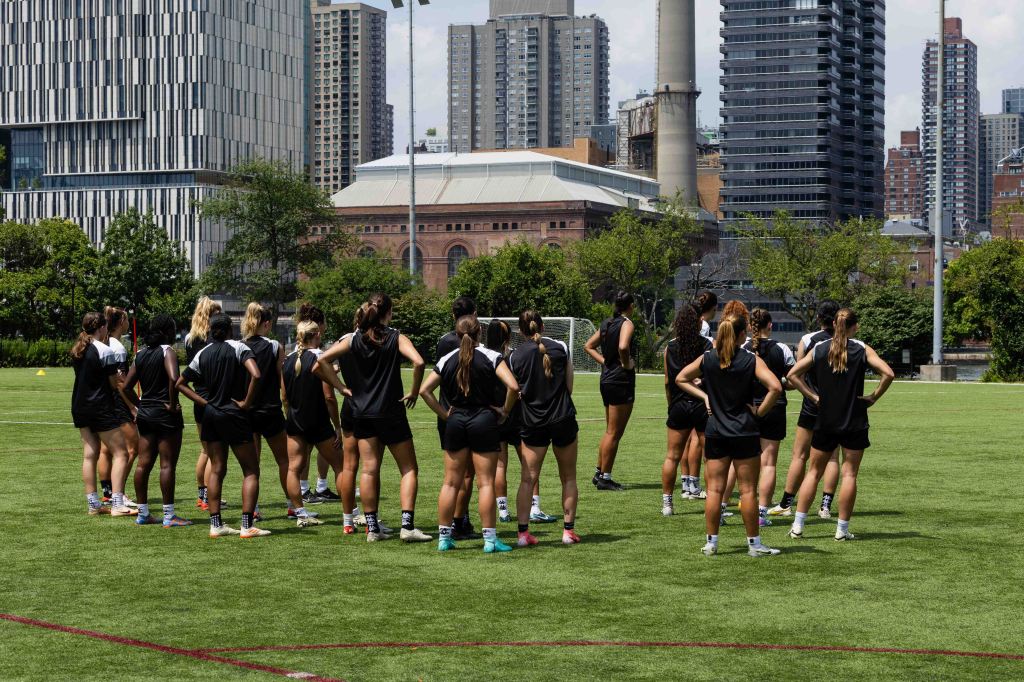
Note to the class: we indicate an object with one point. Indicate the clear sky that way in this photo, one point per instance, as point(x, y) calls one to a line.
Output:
point(995, 26)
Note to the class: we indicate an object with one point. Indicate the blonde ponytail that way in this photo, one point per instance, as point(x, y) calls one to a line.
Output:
point(205, 309)
point(846, 319)
point(729, 330)
point(305, 333)
point(255, 315)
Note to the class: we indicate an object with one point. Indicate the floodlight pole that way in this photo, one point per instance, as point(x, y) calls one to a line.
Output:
point(937, 212)
point(412, 155)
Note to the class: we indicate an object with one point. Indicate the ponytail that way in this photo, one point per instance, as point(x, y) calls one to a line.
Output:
point(623, 302)
point(705, 302)
point(114, 317)
point(845, 320)
point(371, 322)
point(468, 330)
point(310, 313)
point(305, 333)
point(498, 335)
point(759, 321)
point(255, 315)
point(205, 308)
point(162, 330)
point(91, 323)
point(220, 327)
point(531, 325)
point(827, 312)
point(729, 330)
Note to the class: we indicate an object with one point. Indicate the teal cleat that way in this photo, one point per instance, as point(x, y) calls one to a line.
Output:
point(495, 546)
point(444, 544)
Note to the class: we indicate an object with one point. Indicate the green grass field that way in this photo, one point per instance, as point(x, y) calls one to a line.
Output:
point(938, 564)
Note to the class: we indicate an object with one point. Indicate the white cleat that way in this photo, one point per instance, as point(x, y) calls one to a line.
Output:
point(698, 494)
point(795, 534)
point(843, 536)
point(375, 537)
point(253, 532)
point(825, 513)
point(223, 531)
point(709, 549)
point(780, 511)
point(129, 503)
point(762, 550)
point(666, 510)
point(307, 521)
point(504, 516)
point(414, 535)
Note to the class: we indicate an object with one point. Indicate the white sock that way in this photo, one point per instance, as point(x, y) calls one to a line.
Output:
point(143, 510)
point(713, 540)
point(490, 534)
point(536, 501)
point(355, 511)
point(304, 487)
point(301, 511)
point(168, 512)
point(666, 500)
point(93, 499)
point(754, 541)
point(798, 521)
point(357, 491)
point(503, 503)
point(321, 485)
point(841, 527)
point(762, 511)
point(117, 500)
point(348, 520)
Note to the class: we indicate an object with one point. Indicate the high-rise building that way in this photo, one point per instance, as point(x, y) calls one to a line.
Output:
point(803, 105)
point(107, 105)
point(960, 121)
point(1013, 101)
point(389, 130)
point(348, 109)
point(534, 75)
point(1000, 135)
point(904, 179)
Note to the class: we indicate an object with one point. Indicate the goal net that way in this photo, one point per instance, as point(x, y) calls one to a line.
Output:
point(573, 331)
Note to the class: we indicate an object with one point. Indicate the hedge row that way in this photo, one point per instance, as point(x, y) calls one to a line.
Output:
point(41, 353)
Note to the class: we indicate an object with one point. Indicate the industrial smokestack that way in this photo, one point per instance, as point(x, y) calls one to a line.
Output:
point(677, 99)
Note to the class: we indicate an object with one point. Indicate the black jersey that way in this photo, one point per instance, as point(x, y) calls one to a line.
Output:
point(445, 345)
point(483, 378)
point(674, 365)
point(346, 363)
point(731, 393)
point(779, 359)
point(377, 377)
point(220, 366)
point(612, 372)
point(153, 379)
point(92, 393)
point(840, 408)
point(192, 348)
point(809, 341)
point(545, 401)
point(307, 404)
point(264, 352)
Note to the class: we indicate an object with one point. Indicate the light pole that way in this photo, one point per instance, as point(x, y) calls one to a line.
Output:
point(398, 4)
point(937, 212)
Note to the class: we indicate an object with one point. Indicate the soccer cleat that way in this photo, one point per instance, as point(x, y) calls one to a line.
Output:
point(123, 511)
point(291, 513)
point(349, 530)
point(96, 511)
point(526, 540)
point(253, 532)
point(608, 484)
point(726, 514)
point(327, 496)
point(375, 537)
point(176, 522)
point(504, 516)
point(698, 494)
point(666, 509)
point(414, 535)
point(386, 530)
point(595, 479)
point(311, 497)
point(496, 545)
point(223, 531)
point(202, 504)
point(359, 518)
point(129, 503)
point(824, 513)
point(762, 550)
point(779, 510)
point(709, 549)
point(307, 521)
point(257, 515)
point(106, 500)
point(795, 534)
point(569, 537)
point(445, 544)
point(540, 517)
point(843, 536)
point(146, 520)
point(763, 521)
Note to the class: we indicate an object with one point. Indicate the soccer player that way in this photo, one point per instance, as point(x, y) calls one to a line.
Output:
point(728, 373)
point(542, 368)
point(195, 341)
point(706, 304)
point(469, 377)
point(617, 357)
point(772, 426)
point(225, 367)
point(92, 411)
point(707, 307)
point(117, 326)
point(158, 417)
point(805, 427)
point(686, 414)
point(838, 366)
point(377, 399)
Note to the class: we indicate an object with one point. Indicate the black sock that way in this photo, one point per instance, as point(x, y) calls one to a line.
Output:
point(371, 522)
point(108, 489)
point(246, 520)
point(466, 523)
point(524, 527)
point(569, 525)
point(826, 500)
point(458, 524)
point(407, 520)
point(787, 500)
point(215, 520)
point(202, 493)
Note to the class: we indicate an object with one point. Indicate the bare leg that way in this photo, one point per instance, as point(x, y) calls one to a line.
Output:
point(848, 494)
point(327, 452)
point(501, 473)
point(566, 458)
point(405, 457)
point(144, 467)
point(695, 453)
point(347, 489)
point(801, 449)
point(716, 471)
point(454, 475)
point(532, 459)
point(114, 441)
point(370, 452)
point(815, 470)
point(169, 449)
point(484, 465)
point(90, 456)
point(298, 456)
point(747, 471)
point(616, 419)
point(769, 467)
point(677, 441)
point(246, 456)
point(217, 456)
point(832, 475)
point(131, 440)
point(279, 448)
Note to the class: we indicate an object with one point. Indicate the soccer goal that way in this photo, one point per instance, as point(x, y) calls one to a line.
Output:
point(573, 331)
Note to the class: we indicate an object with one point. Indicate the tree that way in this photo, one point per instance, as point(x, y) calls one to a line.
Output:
point(985, 299)
point(143, 271)
point(431, 132)
point(1006, 217)
point(893, 319)
point(270, 212)
point(520, 275)
point(424, 316)
point(804, 264)
point(340, 289)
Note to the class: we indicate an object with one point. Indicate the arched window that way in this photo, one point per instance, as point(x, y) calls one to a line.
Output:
point(456, 255)
point(419, 260)
point(553, 246)
point(367, 252)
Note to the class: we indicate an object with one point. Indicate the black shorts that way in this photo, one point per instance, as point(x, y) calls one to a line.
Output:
point(198, 411)
point(773, 425)
point(222, 425)
point(97, 423)
point(311, 433)
point(121, 411)
point(441, 424)
point(267, 422)
point(348, 422)
point(685, 414)
point(619, 393)
point(743, 447)
point(510, 431)
point(473, 429)
point(389, 430)
point(560, 434)
point(849, 440)
point(156, 422)
point(807, 420)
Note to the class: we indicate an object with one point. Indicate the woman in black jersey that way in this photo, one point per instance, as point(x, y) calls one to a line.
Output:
point(618, 383)
point(470, 376)
point(378, 408)
point(195, 341)
point(706, 304)
point(158, 417)
point(805, 427)
point(838, 367)
point(731, 439)
point(772, 426)
point(92, 411)
point(228, 371)
point(687, 416)
point(266, 415)
point(350, 447)
point(543, 369)
point(117, 326)
point(321, 491)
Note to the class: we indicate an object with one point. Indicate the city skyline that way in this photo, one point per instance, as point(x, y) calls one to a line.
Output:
point(994, 26)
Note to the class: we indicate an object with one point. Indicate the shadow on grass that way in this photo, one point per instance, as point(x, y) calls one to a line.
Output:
point(878, 512)
point(905, 535)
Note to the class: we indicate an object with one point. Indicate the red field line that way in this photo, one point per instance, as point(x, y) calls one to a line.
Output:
point(198, 655)
point(598, 643)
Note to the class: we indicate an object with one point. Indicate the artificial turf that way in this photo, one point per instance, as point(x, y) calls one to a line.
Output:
point(937, 564)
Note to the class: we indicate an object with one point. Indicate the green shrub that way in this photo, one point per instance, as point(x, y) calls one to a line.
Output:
point(39, 353)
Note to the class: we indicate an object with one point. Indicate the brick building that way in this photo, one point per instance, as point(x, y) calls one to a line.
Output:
point(904, 178)
point(1008, 190)
point(471, 204)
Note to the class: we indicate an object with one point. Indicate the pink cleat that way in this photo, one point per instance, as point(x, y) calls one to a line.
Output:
point(569, 537)
point(526, 540)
